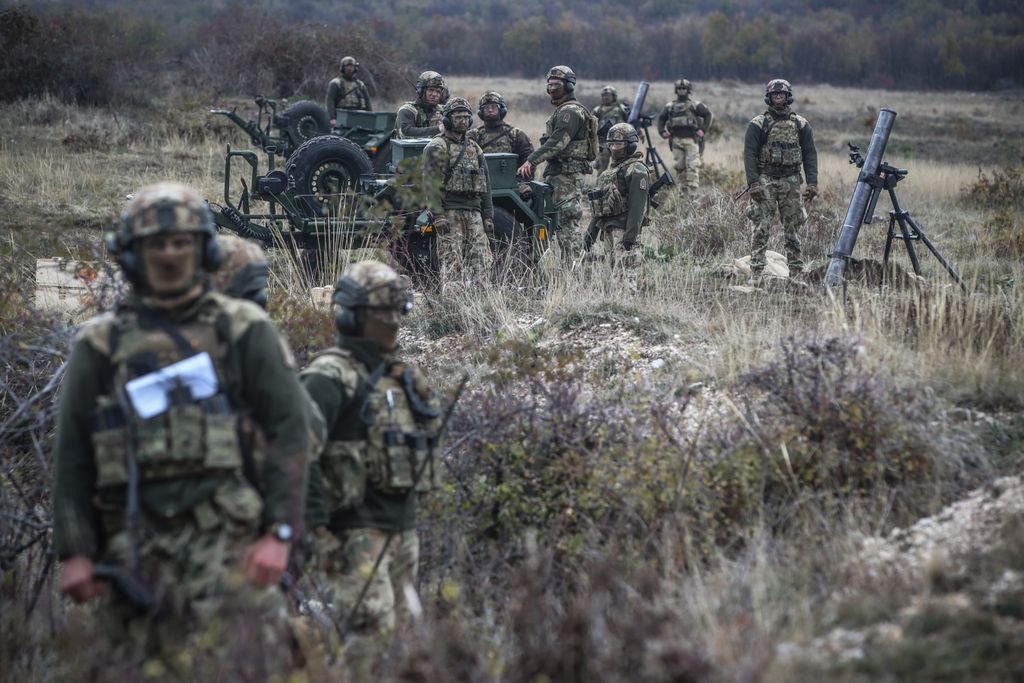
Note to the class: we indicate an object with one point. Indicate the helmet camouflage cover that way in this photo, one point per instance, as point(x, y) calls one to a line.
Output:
point(430, 79)
point(563, 72)
point(623, 132)
point(372, 284)
point(684, 83)
point(345, 61)
point(609, 90)
point(455, 104)
point(493, 97)
point(244, 272)
point(165, 208)
point(778, 85)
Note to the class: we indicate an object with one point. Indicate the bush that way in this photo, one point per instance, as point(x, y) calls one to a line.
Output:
point(1001, 189)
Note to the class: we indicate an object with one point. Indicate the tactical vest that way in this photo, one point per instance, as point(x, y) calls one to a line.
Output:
point(465, 173)
point(613, 189)
point(192, 437)
point(682, 116)
point(609, 115)
point(781, 149)
point(584, 147)
point(386, 438)
point(350, 94)
point(499, 140)
point(423, 117)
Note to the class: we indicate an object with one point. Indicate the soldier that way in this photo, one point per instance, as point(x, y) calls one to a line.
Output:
point(496, 135)
point(569, 147)
point(683, 123)
point(608, 113)
point(777, 143)
point(422, 117)
point(619, 202)
point(149, 467)
point(382, 445)
point(347, 92)
point(457, 191)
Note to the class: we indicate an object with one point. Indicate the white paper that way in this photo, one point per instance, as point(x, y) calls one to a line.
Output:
point(148, 393)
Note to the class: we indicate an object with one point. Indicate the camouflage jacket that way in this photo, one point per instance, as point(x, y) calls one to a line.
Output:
point(608, 115)
point(186, 453)
point(623, 189)
point(345, 94)
point(777, 145)
point(503, 138)
point(455, 175)
point(570, 143)
point(380, 444)
point(683, 118)
point(417, 120)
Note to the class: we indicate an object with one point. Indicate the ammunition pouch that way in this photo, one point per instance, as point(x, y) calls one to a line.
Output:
point(344, 467)
point(401, 455)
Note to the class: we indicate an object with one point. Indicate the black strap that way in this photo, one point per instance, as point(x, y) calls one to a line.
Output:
point(507, 132)
point(462, 153)
point(367, 390)
point(419, 408)
point(158, 319)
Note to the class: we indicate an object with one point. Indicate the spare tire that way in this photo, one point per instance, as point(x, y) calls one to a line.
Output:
point(321, 170)
point(306, 120)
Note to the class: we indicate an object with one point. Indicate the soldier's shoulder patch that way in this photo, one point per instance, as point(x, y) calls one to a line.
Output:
point(566, 116)
point(643, 182)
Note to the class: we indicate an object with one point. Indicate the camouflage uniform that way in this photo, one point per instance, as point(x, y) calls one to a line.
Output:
point(777, 143)
point(419, 118)
point(607, 116)
point(569, 146)
point(682, 118)
point(619, 202)
point(346, 92)
point(197, 513)
point(383, 422)
point(496, 135)
point(457, 190)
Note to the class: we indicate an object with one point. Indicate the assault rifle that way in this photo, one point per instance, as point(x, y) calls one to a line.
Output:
point(642, 121)
point(132, 587)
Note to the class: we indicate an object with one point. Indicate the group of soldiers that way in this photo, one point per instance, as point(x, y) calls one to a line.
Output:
point(191, 453)
point(778, 153)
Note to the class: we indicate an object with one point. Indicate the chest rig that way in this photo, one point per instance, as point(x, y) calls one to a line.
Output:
point(192, 437)
point(612, 195)
point(781, 148)
point(386, 438)
point(583, 147)
point(683, 116)
point(465, 174)
point(496, 140)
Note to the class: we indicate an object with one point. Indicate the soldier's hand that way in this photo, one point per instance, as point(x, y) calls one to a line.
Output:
point(333, 121)
point(78, 579)
point(440, 127)
point(526, 170)
point(441, 225)
point(489, 227)
point(758, 192)
point(266, 560)
point(665, 134)
point(700, 133)
point(810, 192)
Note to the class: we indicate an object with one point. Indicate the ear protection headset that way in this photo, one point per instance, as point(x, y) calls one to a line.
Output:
point(349, 296)
point(502, 107)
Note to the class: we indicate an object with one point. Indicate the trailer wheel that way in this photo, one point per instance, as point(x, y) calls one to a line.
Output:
point(322, 171)
point(306, 120)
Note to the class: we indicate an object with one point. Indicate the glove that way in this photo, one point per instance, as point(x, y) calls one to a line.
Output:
point(627, 245)
point(810, 192)
point(489, 227)
point(441, 225)
point(758, 192)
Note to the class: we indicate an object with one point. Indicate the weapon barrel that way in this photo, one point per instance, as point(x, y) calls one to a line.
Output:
point(859, 201)
point(638, 104)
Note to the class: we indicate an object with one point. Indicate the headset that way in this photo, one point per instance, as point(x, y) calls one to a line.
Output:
point(349, 296)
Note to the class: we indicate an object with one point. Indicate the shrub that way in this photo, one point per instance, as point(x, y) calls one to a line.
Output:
point(1001, 189)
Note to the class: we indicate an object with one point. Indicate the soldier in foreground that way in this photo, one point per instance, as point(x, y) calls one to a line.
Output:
point(569, 147)
point(421, 118)
point(347, 91)
point(777, 144)
point(382, 447)
point(457, 191)
point(684, 122)
point(496, 135)
point(149, 483)
point(619, 202)
point(608, 113)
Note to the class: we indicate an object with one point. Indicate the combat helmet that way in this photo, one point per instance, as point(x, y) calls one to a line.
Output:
point(431, 79)
point(451, 106)
point(624, 132)
point(610, 90)
point(244, 273)
point(778, 85)
point(164, 208)
point(492, 97)
point(345, 61)
point(566, 74)
point(683, 83)
point(368, 284)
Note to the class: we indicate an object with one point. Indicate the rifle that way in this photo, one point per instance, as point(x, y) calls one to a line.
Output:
point(664, 180)
point(132, 587)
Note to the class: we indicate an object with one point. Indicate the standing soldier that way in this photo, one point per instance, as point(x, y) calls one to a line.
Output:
point(569, 147)
point(149, 465)
point(608, 113)
point(684, 123)
point(382, 447)
point(496, 135)
point(619, 202)
point(457, 191)
point(777, 143)
point(347, 92)
point(421, 118)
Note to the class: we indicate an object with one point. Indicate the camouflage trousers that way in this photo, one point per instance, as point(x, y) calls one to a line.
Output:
point(784, 196)
point(569, 235)
point(604, 156)
point(193, 562)
point(611, 231)
point(686, 162)
point(464, 248)
point(346, 571)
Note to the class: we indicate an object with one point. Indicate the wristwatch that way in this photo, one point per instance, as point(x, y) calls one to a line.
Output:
point(282, 532)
